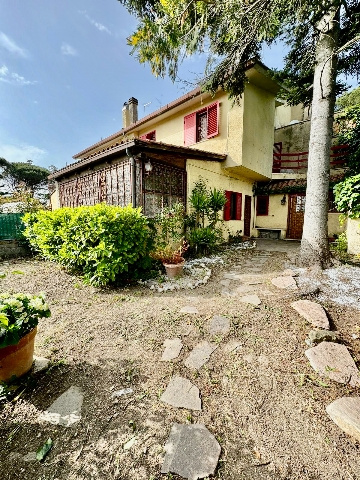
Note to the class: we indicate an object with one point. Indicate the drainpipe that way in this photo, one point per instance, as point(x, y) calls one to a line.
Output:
point(133, 176)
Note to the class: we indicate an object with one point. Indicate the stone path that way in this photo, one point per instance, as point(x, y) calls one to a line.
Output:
point(191, 451)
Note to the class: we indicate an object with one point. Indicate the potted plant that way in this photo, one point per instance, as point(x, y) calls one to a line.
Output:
point(172, 258)
point(19, 317)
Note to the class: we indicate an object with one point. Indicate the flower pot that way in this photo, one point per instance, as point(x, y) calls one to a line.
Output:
point(16, 360)
point(174, 270)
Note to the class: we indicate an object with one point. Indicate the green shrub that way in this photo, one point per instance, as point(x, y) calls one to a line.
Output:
point(347, 196)
point(104, 243)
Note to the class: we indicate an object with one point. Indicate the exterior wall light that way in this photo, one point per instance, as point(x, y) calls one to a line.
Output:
point(148, 167)
point(283, 200)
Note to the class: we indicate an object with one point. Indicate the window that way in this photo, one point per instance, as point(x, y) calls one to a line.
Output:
point(149, 136)
point(201, 125)
point(262, 205)
point(232, 208)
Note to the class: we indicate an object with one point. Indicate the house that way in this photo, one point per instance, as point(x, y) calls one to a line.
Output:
point(156, 160)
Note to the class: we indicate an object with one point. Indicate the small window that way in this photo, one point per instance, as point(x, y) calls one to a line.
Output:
point(232, 208)
point(262, 205)
point(201, 125)
point(149, 136)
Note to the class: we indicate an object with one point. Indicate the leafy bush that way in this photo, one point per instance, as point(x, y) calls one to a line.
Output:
point(341, 243)
point(104, 243)
point(19, 314)
point(347, 196)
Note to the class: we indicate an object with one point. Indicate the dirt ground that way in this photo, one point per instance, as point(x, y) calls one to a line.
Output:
point(262, 401)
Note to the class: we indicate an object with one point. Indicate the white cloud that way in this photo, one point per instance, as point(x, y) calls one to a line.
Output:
point(11, 46)
point(22, 153)
point(97, 25)
point(67, 49)
point(11, 77)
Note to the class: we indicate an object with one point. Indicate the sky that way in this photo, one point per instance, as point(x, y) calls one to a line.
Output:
point(65, 73)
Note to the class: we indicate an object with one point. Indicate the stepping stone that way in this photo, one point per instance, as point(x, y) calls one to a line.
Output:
point(181, 393)
point(252, 299)
point(40, 364)
point(255, 269)
point(345, 412)
point(172, 349)
point(284, 282)
point(334, 361)
point(244, 289)
point(29, 457)
point(66, 410)
point(189, 309)
point(232, 276)
point(312, 312)
point(200, 355)
point(225, 283)
point(318, 336)
point(219, 324)
point(191, 452)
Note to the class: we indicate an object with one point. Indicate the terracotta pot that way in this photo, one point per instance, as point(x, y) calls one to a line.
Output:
point(174, 269)
point(16, 360)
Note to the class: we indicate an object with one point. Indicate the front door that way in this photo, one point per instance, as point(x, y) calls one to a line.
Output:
point(296, 215)
point(247, 216)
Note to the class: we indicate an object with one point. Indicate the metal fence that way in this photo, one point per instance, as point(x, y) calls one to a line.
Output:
point(11, 226)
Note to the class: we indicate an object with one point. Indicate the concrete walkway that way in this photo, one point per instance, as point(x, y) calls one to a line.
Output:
point(268, 245)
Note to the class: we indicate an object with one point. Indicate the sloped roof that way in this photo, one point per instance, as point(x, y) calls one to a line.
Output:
point(290, 186)
point(136, 146)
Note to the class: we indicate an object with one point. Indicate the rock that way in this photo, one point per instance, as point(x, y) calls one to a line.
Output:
point(219, 325)
point(312, 312)
point(191, 451)
point(334, 361)
point(345, 412)
point(172, 349)
point(66, 410)
point(189, 309)
point(227, 293)
point(284, 282)
point(225, 283)
point(318, 336)
point(252, 299)
point(232, 346)
point(29, 457)
point(120, 393)
point(200, 355)
point(254, 269)
point(40, 364)
point(181, 393)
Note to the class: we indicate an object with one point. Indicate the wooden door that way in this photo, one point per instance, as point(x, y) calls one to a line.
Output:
point(296, 215)
point(247, 216)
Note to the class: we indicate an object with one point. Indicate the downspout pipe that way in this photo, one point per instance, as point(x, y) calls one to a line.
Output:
point(133, 176)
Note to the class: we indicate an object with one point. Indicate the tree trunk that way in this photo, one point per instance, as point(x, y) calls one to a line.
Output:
point(314, 244)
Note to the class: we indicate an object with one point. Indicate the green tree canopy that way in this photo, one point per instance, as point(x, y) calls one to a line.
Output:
point(349, 99)
point(16, 173)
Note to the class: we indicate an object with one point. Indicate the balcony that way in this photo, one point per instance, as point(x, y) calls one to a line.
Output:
point(296, 163)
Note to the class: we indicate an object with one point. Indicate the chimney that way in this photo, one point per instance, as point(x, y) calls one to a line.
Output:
point(133, 110)
point(125, 115)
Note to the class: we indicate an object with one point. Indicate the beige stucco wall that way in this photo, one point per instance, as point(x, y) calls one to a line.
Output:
point(277, 217)
point(285, 114)
point(220, 179)
point(245, 131)
point(54, 198)
point(294, 138)
point(353, 235)
point(334, 225)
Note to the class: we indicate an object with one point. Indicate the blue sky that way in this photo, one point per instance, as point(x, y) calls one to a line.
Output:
point(65, 72)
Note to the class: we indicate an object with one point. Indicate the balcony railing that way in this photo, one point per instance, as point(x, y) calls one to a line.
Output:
point(298, 162)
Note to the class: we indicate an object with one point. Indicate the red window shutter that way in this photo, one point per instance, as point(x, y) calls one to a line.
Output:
point(213, 120)
point(238, 206)
point(190, 129)
point(227, 207)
